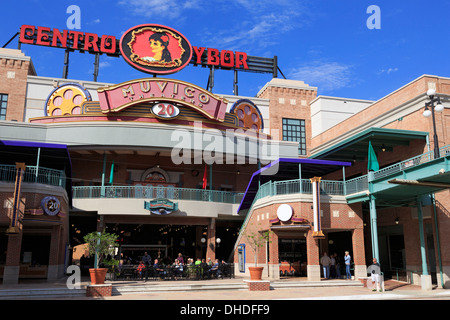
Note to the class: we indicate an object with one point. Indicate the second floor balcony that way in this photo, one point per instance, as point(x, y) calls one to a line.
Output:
point(159, 192)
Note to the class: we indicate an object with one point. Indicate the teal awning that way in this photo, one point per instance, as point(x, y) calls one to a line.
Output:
point(355, 147)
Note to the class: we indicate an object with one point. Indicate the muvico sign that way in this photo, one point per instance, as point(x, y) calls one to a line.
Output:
point(118, 97)
point(142, 47)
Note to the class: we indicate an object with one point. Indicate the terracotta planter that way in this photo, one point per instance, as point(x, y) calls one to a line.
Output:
point(98, 275)
point(255, 273)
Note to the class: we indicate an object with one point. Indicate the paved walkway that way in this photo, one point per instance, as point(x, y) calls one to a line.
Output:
point(286, 289)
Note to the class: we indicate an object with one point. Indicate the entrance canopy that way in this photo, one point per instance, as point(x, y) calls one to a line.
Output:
point(288, 169)
point(355, 148)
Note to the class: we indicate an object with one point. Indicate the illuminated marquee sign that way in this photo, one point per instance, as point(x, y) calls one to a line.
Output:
point(121, 96)
point(135, 47)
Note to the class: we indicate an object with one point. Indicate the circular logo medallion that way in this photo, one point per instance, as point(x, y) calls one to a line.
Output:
point(67, 99)
point(51, 205)
point(284, 212)
point(156, 49)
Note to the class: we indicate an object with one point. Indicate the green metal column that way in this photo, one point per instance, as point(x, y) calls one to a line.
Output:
point(210, 176)
point(259, 175)
point(102, 190)
point(423, 251)
point(374, 229)
point(438, 243)
point(37, 164)
point(343, 180)
point(300, 176)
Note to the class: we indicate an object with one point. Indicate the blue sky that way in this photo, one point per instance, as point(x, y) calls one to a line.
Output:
point(324, 43)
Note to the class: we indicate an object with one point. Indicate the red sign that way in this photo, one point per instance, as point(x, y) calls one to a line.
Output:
point(75, 40)
point(150, 48)
point(121, 96)
point(154, 48)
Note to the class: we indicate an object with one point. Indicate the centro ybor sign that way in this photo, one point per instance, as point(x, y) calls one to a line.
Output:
point(150, 48)
point(155, 49)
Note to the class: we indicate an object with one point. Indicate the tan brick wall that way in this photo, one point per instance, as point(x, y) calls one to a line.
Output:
point(414, 121)
point(349, 218)
point(59, 233)
point(13, 81)
point(279, 110)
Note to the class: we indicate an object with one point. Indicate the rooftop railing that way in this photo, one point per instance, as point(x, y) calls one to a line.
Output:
point(34, 174)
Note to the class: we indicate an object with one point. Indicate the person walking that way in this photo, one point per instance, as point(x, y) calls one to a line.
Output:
point(375, 271)
point(347, 260)
point(325, 262)
point(332, 267)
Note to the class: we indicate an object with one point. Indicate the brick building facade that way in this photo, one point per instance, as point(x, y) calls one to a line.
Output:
point(120, 161)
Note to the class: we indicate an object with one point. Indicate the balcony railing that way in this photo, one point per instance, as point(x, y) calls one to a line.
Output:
point(299, 186)
point(34, 174)
point(151, 192)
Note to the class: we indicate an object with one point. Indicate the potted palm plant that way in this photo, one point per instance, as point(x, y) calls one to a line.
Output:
point(256, 240)
point(101, 244)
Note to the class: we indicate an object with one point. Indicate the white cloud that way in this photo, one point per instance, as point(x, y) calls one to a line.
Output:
point(104, 64)
point(388, 70)
point(327, 76)
point(155, 8)
point(263, 25)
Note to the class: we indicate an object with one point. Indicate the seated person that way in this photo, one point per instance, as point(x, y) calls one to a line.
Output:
point(140, 269)
point(177, 269)
point(204, 268)
point(224, 268)
point(159, 271)
point(215, 269)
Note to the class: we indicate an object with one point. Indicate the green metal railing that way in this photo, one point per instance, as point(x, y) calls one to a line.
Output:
point(271, 188)
point(34, 174)
point(344, 188)
point(150, 192)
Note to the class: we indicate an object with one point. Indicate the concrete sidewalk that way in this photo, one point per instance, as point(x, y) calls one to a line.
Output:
point(221, 289)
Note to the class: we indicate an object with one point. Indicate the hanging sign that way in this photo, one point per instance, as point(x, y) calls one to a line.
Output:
point(161, 206)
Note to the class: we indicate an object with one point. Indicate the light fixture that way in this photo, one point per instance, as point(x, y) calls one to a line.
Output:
point(427, 113)
point(202, 240)
point(439, 107)
point(218, 241)
point(430, 108)
point(397, 220)
point(383, 148)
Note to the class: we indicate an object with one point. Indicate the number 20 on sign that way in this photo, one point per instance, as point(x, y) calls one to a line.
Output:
point(165, 110)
